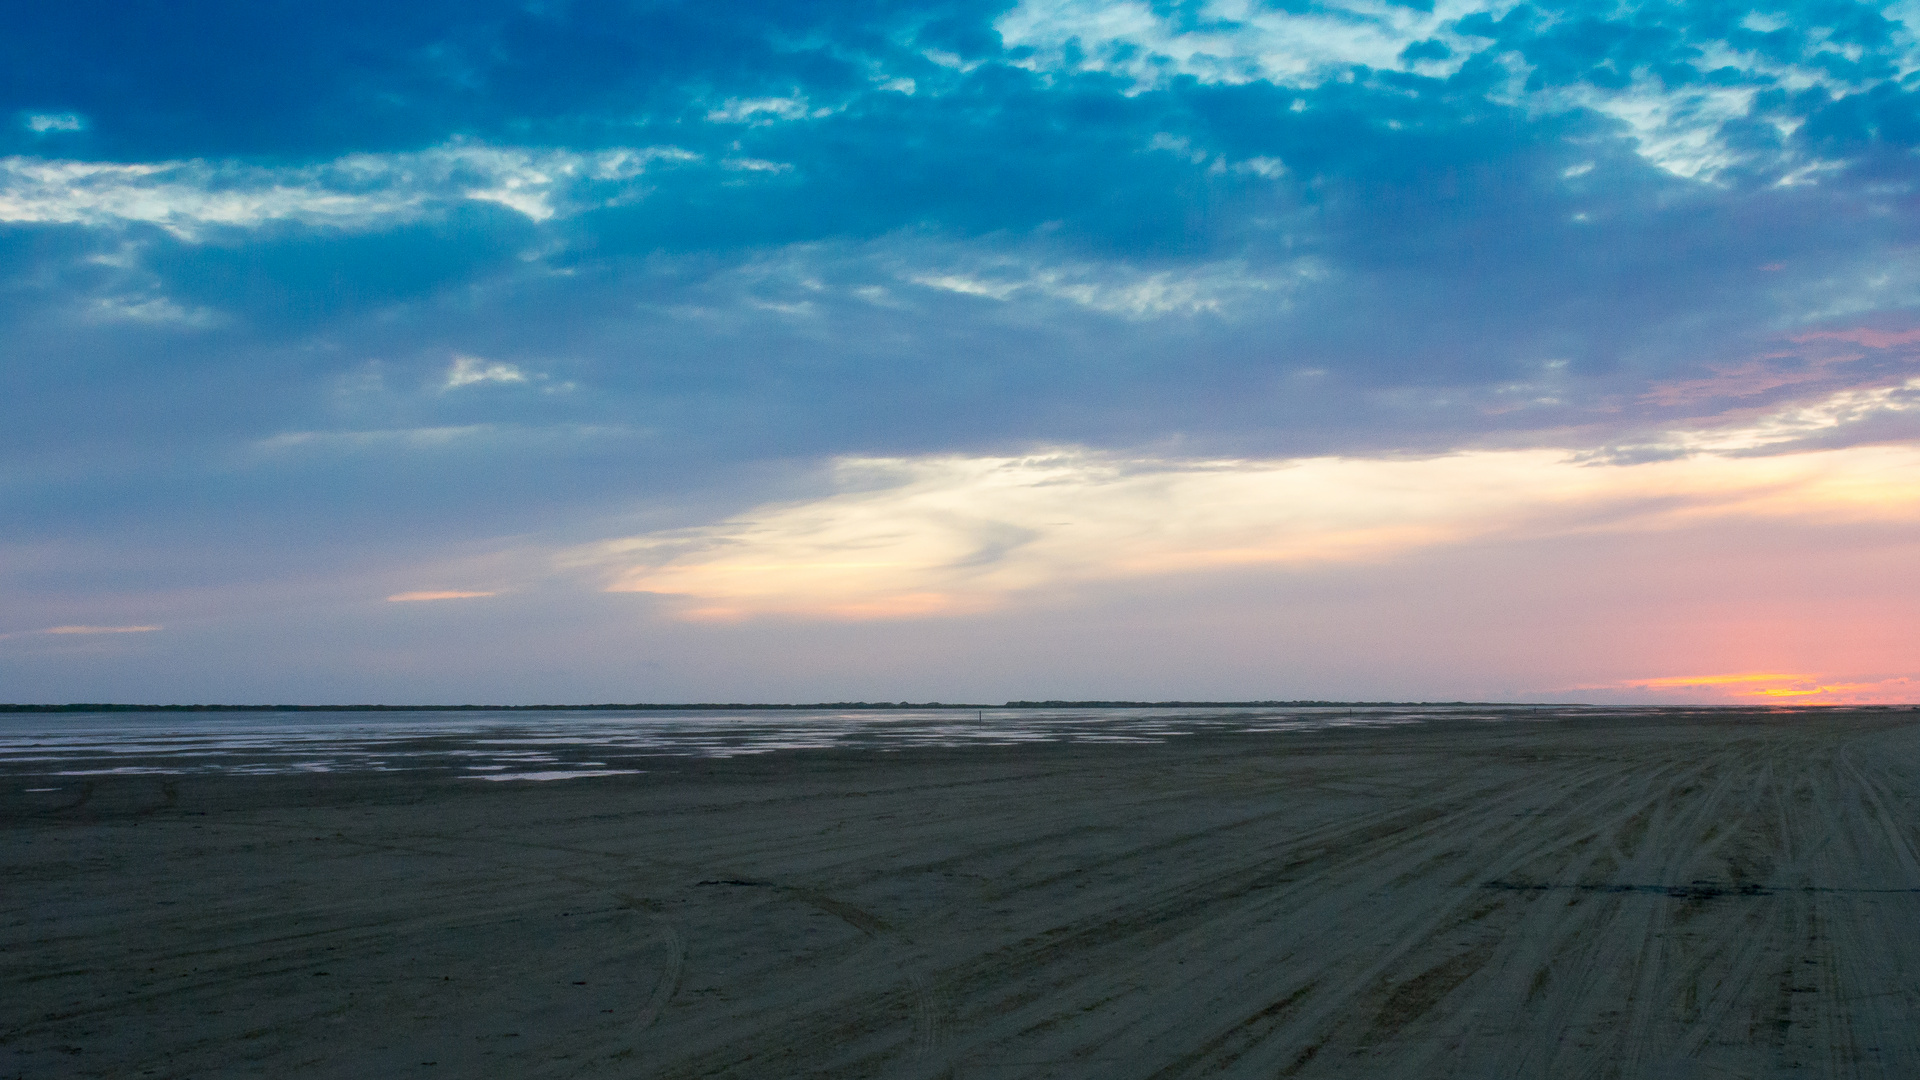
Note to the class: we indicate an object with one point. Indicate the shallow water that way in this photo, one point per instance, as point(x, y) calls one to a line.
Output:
point(539, 745)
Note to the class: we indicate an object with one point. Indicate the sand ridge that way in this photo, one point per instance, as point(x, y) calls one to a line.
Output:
point(1714, 895)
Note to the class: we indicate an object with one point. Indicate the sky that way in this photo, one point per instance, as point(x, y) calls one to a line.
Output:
point(861, 350)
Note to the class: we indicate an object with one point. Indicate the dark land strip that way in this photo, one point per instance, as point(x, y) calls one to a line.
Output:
point(1670, 895)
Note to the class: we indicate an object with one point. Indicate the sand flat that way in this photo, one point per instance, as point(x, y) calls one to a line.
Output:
point(1723, 895)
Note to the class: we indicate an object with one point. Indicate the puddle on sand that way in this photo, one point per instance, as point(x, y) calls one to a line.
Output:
point(554, 775)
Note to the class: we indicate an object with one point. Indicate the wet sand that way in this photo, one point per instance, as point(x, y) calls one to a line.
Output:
point(1677, 896)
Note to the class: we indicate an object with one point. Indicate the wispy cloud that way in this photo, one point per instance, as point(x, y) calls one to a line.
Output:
point(1230, 41)
point(421, 438)
point(449, 438)
point(1211, 289)
point(353, 192)
point(1784, 428)
point(950, 535)
point(1870, 337)
point(469, 370)
point(1677, 124)
point(100, 629)
point(433, 594)
point(152, 311)
point(763, 110)
point(41, 123)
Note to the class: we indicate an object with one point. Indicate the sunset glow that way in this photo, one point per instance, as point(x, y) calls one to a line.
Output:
point(964, 535)
point(1805, 688)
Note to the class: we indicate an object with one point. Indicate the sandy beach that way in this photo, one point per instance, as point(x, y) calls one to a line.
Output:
point(1676, 895)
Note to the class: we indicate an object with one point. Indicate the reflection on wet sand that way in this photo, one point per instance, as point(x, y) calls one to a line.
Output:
point(560, 742)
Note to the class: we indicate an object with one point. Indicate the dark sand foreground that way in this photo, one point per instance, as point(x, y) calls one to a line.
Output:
point(1733, 896)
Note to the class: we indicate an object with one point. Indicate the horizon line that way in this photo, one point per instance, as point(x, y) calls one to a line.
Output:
point(715, 705)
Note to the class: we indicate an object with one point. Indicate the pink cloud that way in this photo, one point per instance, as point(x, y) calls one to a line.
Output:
point(1778, 370)
point(1747, 380)
point(1872, 339)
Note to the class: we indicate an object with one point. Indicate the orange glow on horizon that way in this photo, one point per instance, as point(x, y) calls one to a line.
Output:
point(1715, 680)
point(1833, 688)
point(1892, 690)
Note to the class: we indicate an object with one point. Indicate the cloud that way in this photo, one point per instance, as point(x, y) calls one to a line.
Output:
point(469, 370)
point(429, 594)
point(421, 438)
point(1824, 421)
point(764, 110)
point(1686, 88)
point(100, 629)
point(1871, 338)
point(755, 165)
point(1230, 41)
point(431, 457)
point(358, 191)
point(41, 123)
point(945, 535)
point(152, 311)
point(1125, 291)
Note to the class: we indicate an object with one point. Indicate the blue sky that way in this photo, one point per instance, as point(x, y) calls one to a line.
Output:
point(880, 350)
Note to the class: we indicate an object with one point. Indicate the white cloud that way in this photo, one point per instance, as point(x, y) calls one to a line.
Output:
point(1118, 290)
point(100, 629)
point(951, 535)
point(765, 110)
point(968, 286)
point(1177, 145)
point(1269, 168)
point(755, 165)
point(469, 370)
point(153, 311)
point(1675, 127)
point(430, 594)
point(41, 123)
point(898, 270)
point(1232, 41)
point(420, 438)
point(449, 437)
point(358, 191)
